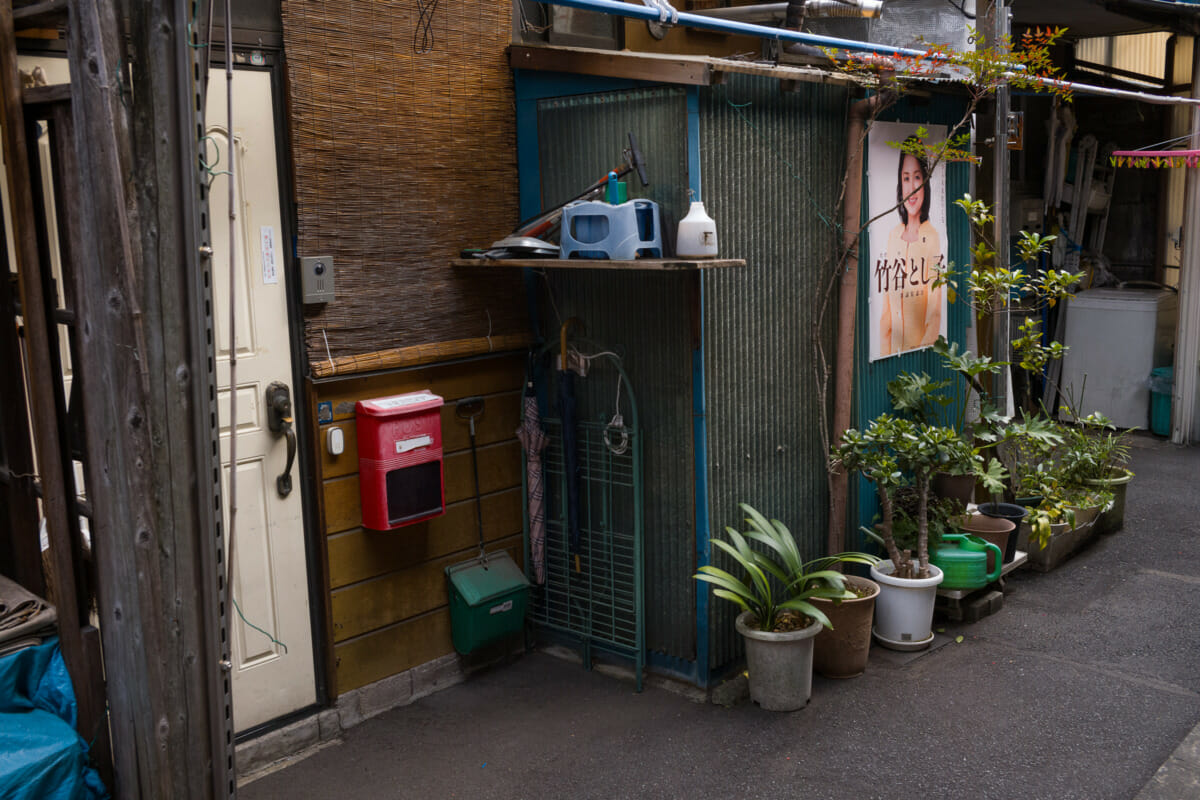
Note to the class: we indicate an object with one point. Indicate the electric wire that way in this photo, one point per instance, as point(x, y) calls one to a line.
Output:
point(961, 7)
point(1187, 137)
point(231, 528)
point(617, 423)
point(255, 627)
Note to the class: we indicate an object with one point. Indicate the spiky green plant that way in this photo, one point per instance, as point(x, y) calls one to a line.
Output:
point(778, 579)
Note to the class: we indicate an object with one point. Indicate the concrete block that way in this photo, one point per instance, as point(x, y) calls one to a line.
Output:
point(971, 608)
point(256, 753)
point(329, 724)
point(1174, 780)
point(375, 698)
point(437, 675)
point(1188, 751)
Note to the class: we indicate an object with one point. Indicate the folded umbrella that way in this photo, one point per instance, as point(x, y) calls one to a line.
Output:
point(534, 440)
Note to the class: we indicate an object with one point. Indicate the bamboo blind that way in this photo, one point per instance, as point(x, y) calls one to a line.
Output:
point(404, 147)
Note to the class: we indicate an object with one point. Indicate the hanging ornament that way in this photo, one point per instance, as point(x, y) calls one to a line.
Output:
point(1158, 159)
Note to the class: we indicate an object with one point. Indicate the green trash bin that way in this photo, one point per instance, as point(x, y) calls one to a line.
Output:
point(488, 598)
point(1162, 384)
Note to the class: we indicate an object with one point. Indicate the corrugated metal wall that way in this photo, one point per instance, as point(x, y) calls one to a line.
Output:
point(1141, 53)
point(870, 382)
point(645, 317)
point(771, 173)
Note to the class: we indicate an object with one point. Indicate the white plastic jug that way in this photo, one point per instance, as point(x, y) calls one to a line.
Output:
point(697, 237)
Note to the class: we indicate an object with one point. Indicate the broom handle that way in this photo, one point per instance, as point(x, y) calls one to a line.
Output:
point(478, 497)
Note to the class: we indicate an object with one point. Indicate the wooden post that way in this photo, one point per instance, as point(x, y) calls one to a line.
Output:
point(149, 401)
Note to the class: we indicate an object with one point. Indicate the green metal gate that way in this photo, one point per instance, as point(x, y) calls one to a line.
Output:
point(594, 592)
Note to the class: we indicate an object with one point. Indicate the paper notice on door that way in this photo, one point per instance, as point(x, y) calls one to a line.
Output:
point(267, 241)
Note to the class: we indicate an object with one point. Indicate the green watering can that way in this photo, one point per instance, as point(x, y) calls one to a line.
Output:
point(963, 558)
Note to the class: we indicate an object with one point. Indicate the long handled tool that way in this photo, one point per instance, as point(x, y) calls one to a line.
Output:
point(470, 409)
point(634, 161)
point(489, 594)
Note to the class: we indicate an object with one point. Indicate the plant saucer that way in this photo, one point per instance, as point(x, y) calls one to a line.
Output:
point(892, 644)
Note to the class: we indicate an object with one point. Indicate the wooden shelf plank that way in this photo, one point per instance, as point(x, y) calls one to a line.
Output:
point(650, 264)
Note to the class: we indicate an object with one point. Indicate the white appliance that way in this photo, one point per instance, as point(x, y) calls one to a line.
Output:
point(1115, 337)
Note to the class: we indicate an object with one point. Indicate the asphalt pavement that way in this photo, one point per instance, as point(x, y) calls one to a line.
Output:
point(1085, 685)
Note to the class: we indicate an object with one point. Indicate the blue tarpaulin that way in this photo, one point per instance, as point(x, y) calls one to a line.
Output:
point(41, 755)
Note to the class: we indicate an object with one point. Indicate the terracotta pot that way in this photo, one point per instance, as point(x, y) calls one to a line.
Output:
point(955, 487)
point(841, 652)
point(996, 530)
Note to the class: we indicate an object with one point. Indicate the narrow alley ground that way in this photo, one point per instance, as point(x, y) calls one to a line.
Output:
point(1081, 687)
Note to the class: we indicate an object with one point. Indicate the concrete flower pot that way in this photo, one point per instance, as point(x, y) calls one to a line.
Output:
point(1113, 519)
point(780, 665)
point(842, 651)
point(1064, 541)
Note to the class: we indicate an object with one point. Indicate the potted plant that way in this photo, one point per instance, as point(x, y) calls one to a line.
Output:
point(778, 619)
point(1097, 459)
point(892, 453)
point(842, 648)
point(1064, 517)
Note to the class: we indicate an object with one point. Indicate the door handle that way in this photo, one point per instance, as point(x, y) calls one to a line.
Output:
point(279, 421)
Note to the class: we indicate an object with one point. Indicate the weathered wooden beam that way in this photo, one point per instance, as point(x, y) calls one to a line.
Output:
point(47, 14)
point(38, 96)
point(153, 478)
point(416, 355)
point(614, 64)
point(177, 294)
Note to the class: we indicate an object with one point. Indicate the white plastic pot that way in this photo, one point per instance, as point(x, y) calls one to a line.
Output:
point(904, 608)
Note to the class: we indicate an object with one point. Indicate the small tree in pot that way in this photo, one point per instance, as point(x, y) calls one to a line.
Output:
point(894, 452)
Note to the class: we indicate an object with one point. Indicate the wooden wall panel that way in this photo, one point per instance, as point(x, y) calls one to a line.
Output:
point(499, 468)
point(387, 589)
point(500, 418)
point(360, 554)
point(400, 595)
point(481, 377)
point(386, 652)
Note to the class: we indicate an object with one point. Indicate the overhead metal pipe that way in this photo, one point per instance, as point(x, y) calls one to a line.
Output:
point(768, 12)
point(731, 26)
point(1104, 91)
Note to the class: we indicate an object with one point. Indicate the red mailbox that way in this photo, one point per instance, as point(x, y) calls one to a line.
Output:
point(400, 459)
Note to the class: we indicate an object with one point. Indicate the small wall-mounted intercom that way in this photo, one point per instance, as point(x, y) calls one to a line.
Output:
point(316, 279)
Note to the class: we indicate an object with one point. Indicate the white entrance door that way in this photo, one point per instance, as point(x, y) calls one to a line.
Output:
point(270, 625)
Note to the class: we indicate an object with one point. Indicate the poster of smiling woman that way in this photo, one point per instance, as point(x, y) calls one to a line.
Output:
point(907, 244)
